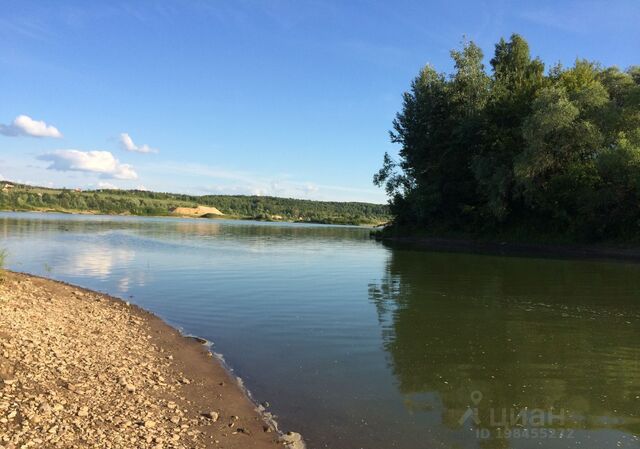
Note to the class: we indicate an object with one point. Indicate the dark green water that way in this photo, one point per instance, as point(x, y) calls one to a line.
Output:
point(357, 345)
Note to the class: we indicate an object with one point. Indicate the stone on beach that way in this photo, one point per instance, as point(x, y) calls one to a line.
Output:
point(81, 369)
point(213, 416)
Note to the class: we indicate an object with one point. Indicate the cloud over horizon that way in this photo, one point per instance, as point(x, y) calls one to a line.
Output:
point(127, 144)
point(23, 125)
point(206, 179)
point(102, 163)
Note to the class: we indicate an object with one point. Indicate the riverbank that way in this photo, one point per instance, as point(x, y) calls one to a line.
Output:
point(204, 217)
point(23, 197)
point(83, 369)
point(562, 251)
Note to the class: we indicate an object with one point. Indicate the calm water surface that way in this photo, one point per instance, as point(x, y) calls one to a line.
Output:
point(357, 345)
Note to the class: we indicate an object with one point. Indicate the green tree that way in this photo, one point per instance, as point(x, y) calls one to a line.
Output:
point(554, 154)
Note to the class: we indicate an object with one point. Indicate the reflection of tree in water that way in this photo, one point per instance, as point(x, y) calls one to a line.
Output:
point(164, 227)
point(526, 333)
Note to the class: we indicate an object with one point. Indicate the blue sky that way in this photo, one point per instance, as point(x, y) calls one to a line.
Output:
point(276, 97)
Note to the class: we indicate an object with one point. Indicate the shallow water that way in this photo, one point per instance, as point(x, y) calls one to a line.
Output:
point(358, 345)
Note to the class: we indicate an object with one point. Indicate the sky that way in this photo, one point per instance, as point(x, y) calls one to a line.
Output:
point(290, 98)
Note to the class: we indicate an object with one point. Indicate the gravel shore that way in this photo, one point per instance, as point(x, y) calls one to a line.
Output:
point(79, 369)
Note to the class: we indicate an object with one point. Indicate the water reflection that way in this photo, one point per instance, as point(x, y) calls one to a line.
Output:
point(360, 346)
point(556, 336)
point(96, 260)
point(21, 223)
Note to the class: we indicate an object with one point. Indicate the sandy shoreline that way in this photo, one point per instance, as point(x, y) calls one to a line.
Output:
point(82, 369)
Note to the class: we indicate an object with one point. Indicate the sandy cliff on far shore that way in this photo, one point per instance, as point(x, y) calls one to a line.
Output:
point(198, 211)
point(79, 369)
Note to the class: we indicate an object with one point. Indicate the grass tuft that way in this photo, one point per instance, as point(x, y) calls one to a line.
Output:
point(3, 259)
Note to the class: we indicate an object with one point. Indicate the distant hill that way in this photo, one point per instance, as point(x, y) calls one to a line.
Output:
point(22, 197)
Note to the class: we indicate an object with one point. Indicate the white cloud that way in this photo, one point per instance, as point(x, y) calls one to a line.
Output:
point(96, 260)
point(310, 188)
point(99, 162)
point(23, 125)
point(126, 142)
point(290, 189)
point(107, 185)
point(279, 186)
point(199, 178)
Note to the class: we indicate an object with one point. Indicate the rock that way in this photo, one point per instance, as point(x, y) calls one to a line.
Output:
point(6, 372)
point(200, 340)
point(293, 440)
point(213, 416)
point(69, 364)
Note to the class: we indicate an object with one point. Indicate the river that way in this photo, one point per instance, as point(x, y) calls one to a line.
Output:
point(360, 345)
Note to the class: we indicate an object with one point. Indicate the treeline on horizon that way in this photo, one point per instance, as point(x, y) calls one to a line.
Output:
point(137, 202)
point(517, 150)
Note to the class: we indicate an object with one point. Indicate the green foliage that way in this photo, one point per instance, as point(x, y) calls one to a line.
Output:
point(489, 153)
point(136, 202)
point(3, 259)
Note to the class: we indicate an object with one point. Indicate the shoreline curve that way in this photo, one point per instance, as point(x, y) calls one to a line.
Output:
point(80, 367)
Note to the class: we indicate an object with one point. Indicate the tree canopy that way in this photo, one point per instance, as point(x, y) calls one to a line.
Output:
point(486, 151)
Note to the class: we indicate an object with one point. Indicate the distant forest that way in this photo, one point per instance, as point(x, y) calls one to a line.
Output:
point(518, 150)
point(137, 202)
